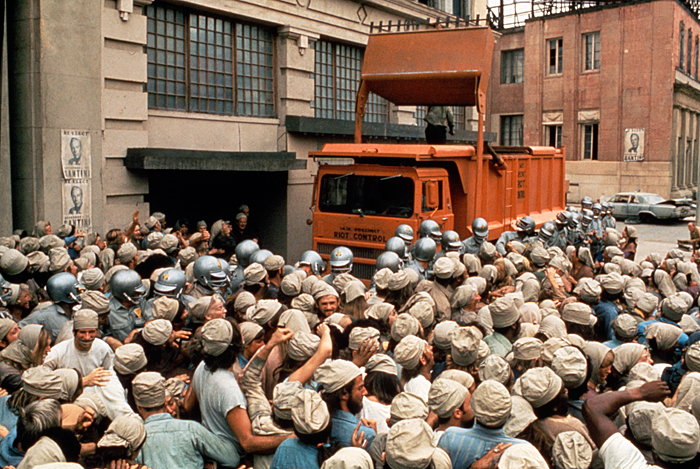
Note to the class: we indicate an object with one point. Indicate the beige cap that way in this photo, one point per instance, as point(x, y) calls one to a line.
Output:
point(291, 285)
point(504, 313)
point(125, 431)
point(398, 280)
point(465, 345)
point(310, 414)
point(249, 331)
point(216, 336)
point(612, 283)
point(265, 310)
point(6, 325)
point(334, 374)
point(578, 313)
point(29, 244)
point(644, 372)
point(491, 404)
point(302, 346)
point(380, 312)
point(308, 283)
point(445, 396)
point(444, 268)
point(522, 457)
point(361, 334)
point(588, 290)
point(648, 303)
point(157, 332)
point(381, 278)
point(59, 259)
point(129, 359)
point(495, 367)
point(442, 334)
point(539, 256)
point(321, 289)
point(675, 435)
point(570, 364)
point(353, 290)
point(254, 274)
point(85, 319)
point(674, 307)
point(349, 458)
point(424, 312)
point(381, 363)
point(692, 357)
point(38, 262)
point(527, 348)
point(294, 320)
point(199, 308)
point(530, 313)
point(409, 445)
point(625, 326)
point(403, 326)
point(126, 253)
point(521, 416)
point(407, 406)
point(149, 389)
point(666, 335)
point(14, 262)
point(41, 381)
point(626, 356)
point(244, 300)
point(92, 278)
point(187, 256)
point(553, 326)
point(540, 386)
point(284, 397)
point(462, 377)
point(409, 351)
point(165, 308)
point(274, 262)
point(640, 419)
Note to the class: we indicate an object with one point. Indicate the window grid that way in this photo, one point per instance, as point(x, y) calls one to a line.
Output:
point(590, 141)
point(167, 68)
point(191, 65)
point(592, 51)
point(689, 60)
point(555, 56)
point(348, 66)
point(681, 55)
point(419, 115)
point(211, 66)
point(697, 54)
point(512, 130)
point(512, 66)
point(254, 86)
point(553, 135)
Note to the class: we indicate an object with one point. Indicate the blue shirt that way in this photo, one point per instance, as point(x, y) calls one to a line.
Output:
point(123, 320)
point(682, 340)
point(293, 454)
point(611, 344)
point(8, 419)
point(52, 318)
point(178, 443)
point(344, 424)
point(466, 445)
point(606, 312)
point(9, 455)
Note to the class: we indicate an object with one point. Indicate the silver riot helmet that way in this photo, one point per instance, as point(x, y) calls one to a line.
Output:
point(574, 220)
point(526, 225)
point(424, 250)
point(313, 260)
point(65, 288)
point(430, 228)
point(341, 260)
point(563, 217)
point(597, 208)
point(244, 251)
point(547, 231)
point(259, 256)
point(126, 285)
point(450, 241)
point(171, 283)
point(586, 217)
point(480, 229)
point(397, 245)
point(5, 291)
point(405, 232)
point(390, 260)
point(211, 272)
point(586, 202)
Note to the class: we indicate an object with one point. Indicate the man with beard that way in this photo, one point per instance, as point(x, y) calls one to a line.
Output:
point(451, 402)
point(342, 388)
point(86, 353)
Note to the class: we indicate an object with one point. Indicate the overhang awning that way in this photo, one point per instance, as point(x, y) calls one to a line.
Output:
point(197, 160)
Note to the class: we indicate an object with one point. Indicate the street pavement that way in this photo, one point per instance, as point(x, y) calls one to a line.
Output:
point(659, 238)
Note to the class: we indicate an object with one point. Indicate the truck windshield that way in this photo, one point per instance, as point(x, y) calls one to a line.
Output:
point(380, 196)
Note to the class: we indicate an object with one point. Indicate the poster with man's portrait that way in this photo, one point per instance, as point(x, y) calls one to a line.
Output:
point(76, 204)
point(75, 154)
point(634, 145)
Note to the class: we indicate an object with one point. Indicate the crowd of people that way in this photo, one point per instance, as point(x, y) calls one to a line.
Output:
point(192, 347)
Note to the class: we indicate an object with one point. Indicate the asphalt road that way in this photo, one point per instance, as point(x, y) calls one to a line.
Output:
point(660, 237)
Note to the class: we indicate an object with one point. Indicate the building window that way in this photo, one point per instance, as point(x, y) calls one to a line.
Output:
point(555, 56)
point(589, 140)
point(512, 66)
point(336, 81)
point(689, 60)
point(697, 44)
point(191, 65)
point(552, 135)
point(681, 55)
point(591, 51)
point(512, 131)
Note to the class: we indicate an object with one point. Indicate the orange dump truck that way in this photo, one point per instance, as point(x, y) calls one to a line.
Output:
point(359, 205)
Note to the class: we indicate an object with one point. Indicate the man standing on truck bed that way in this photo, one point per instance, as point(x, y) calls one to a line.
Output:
point(438, 119)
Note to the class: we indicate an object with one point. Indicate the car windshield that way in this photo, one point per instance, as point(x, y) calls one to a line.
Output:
point(650, 199)
point(367, 195)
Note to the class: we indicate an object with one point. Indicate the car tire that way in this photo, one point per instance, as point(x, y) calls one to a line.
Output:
point(647, 218)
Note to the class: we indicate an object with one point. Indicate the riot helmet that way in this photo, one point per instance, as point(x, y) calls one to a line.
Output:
point(65, 288)
point(211, 272)
point(259, 256)
point(170, 283)
point(547, 231)
point(586, 217)
point(430, 228)
point(480, 229)
point(597, 208)
point(424, 250)
point(450, 241)
point(244, 251)
point(574, 220)
point(390, 260)
point(5, 291)
point(405, 232)
point(126, 285)
point(313, 260)
point(341, 260)
point(586, 202)
point(525, 225)
point(397, 245)
point(563, 217)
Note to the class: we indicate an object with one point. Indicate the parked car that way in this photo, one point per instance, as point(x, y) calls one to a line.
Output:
point(650, 207)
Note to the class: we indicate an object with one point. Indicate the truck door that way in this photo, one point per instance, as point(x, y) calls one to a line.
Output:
point(435, 202)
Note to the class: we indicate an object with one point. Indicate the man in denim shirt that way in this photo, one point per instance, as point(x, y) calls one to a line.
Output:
point(188, 443)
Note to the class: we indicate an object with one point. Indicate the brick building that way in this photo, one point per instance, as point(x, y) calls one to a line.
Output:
point(188, 107)
point(616, 85)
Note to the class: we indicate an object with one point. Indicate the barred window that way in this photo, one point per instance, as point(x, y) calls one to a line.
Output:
point(227, 67)
point(336, 81)
point(512, 66)
point(512, 130)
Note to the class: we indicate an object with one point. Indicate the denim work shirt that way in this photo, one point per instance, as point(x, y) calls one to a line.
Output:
point(466, 445)
point(344, 424)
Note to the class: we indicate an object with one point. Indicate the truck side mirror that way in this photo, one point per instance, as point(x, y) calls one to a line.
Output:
point(432, 194)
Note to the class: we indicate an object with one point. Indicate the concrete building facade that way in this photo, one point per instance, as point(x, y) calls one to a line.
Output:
point(616, 85)
point(190, 108)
